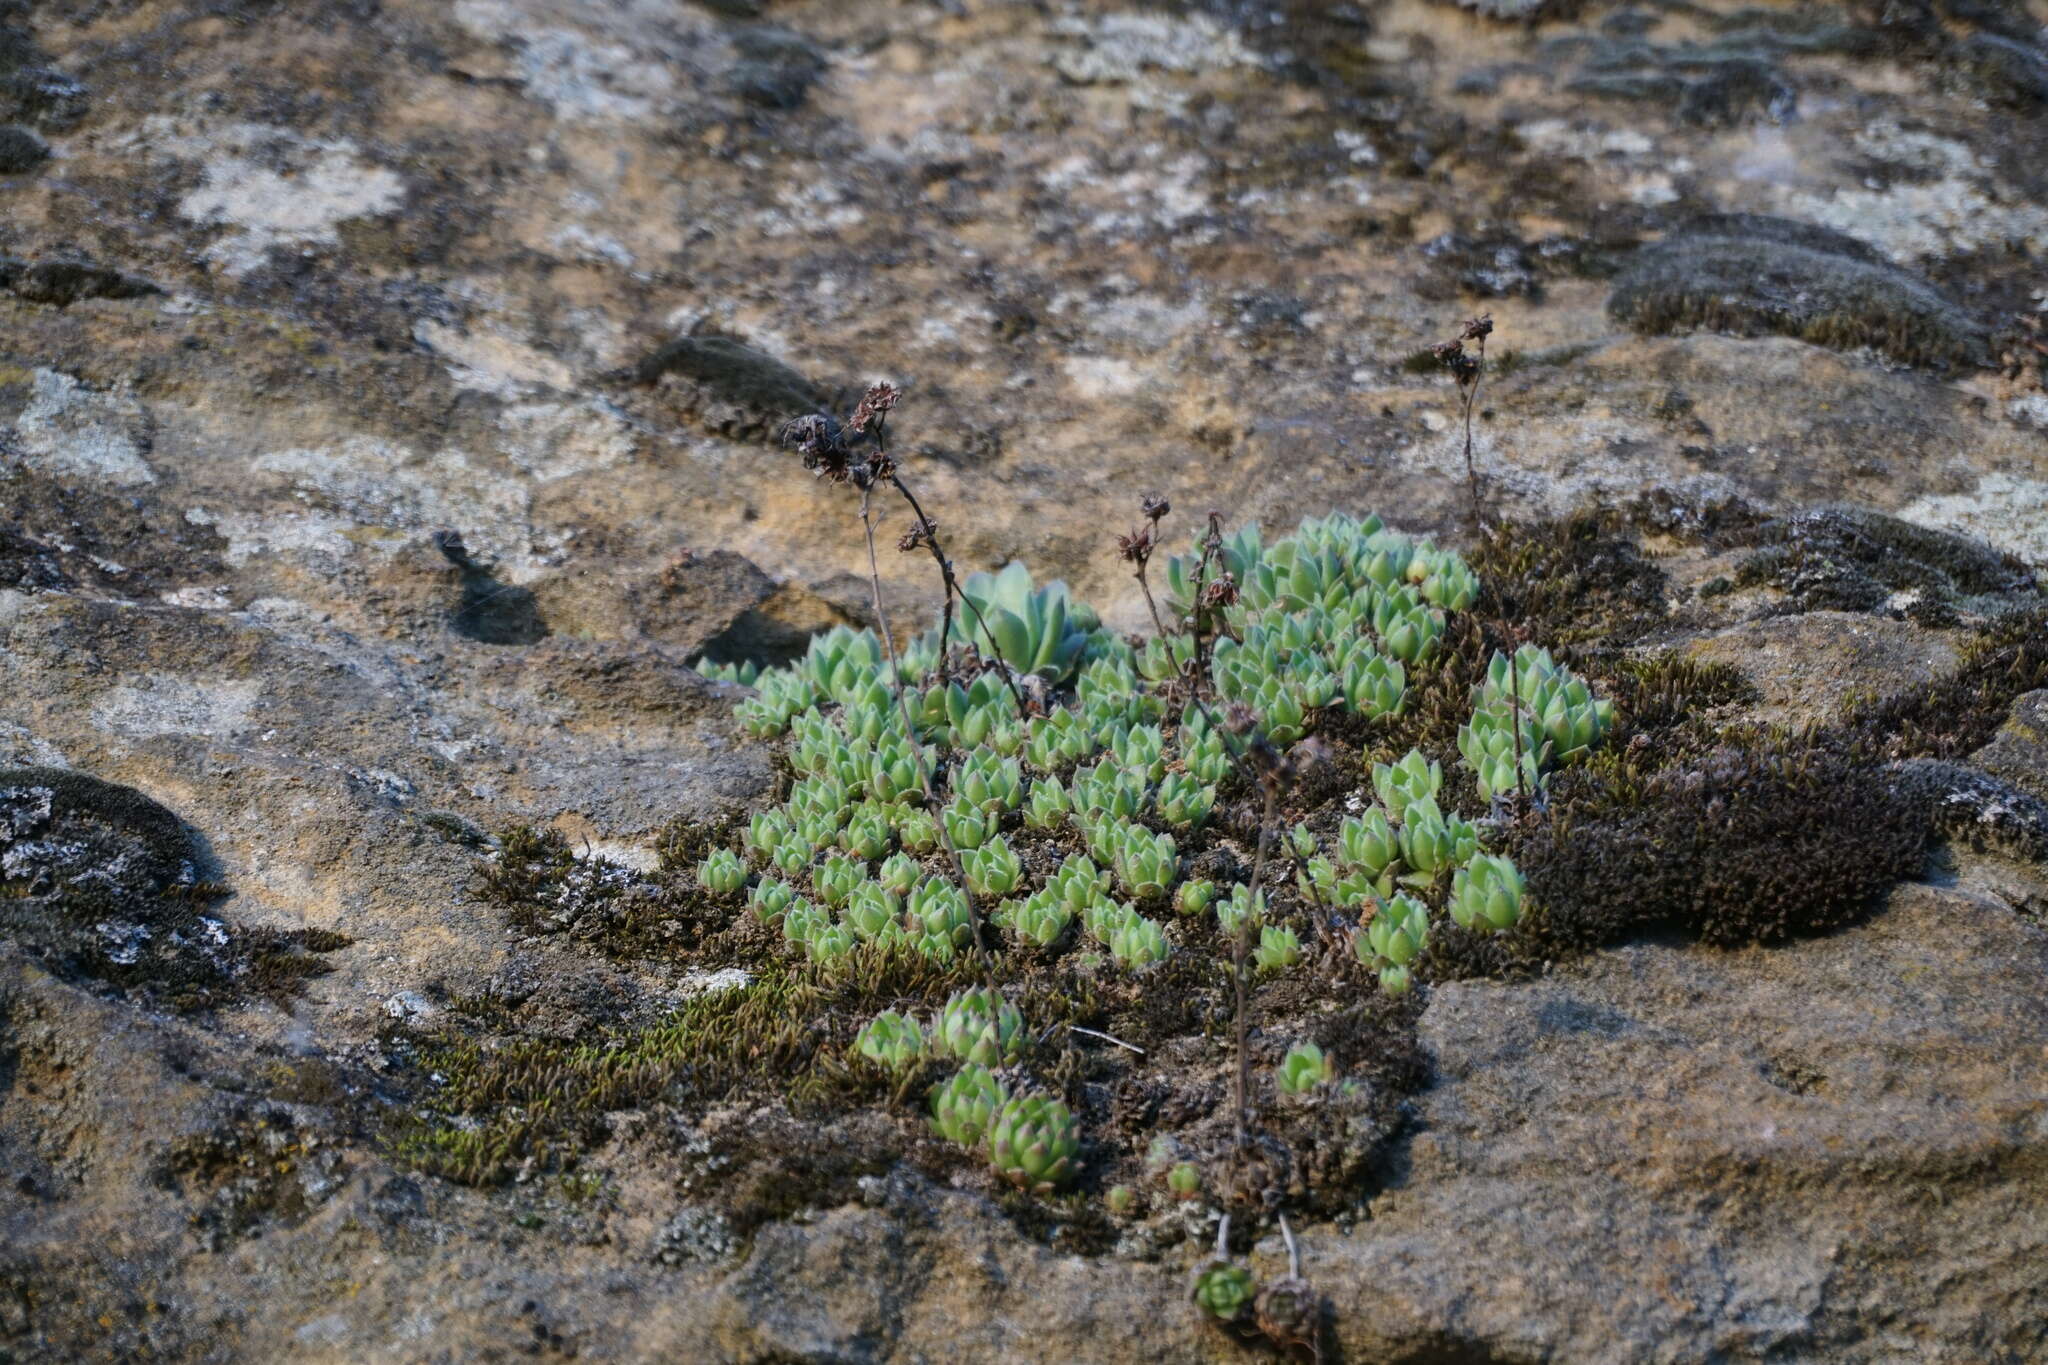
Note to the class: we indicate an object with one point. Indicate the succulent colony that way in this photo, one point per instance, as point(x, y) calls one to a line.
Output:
point(1032, 890)
point(1038, 785)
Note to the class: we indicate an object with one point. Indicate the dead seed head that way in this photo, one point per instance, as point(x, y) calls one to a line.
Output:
point(919, 535)
point(1478, 329)
point(1220, 591)
point(875, 405)
point(1136, 547)
point(840, 454)
point(1155, 507)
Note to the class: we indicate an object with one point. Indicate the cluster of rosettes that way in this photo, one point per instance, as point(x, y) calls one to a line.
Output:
point(1383, 864)
point(1336, 616)
point(1534, 712)
point(1032, 1140)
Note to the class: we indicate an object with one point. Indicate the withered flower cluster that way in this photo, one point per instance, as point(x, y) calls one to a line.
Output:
point(853, 453)
point(1137, 547)
point(1464, 367)
point(919, 536)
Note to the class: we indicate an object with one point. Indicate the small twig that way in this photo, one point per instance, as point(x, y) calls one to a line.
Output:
point(1515, 693)
point(1128, 1047)
point(1239, 952)
point(1293, 1251)
point(924, 766)
point(1223, 1238)
point(930, 539)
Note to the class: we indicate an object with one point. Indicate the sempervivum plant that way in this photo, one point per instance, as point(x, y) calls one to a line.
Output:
point(892, 1040)
point(1399, 785)
point(899, 872)
point(1303, 1069)
point(1486, 894)
point(1036, 630)
point(767, 831)
point(1279, 948)
point(992, 783)
point(722, 873)
point(1223, 1290)
point(1393, 940)
point(1048, 806)
point(770, 897)
point(1035, 1143)
point(866, 835)
point(835, 878)
point(1232, 909)
point(966, 1103)
point(1432, 841)
point(871, 911)
point(967, 826)
point(1146, 863)
point(1137, 942)
point(1040, 920)
point(1183, 800)
point(939, 910)
point(1192, 897)
point(992, 869)
point(980, 1026)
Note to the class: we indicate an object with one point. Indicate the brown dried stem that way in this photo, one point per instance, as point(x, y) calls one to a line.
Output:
point(924, 766)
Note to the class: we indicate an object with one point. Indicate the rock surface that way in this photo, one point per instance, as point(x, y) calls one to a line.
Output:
point(387, 404)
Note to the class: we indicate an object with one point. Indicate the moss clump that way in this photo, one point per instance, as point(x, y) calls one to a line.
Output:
point(256, 1166)
point(1571, 579)
point(730, 384)
point(102, 884)
point(1753, 276)
point(498, 1104)
point(1756, 842)
point(61, 283)
point(1958, 714)
point(1854, 559)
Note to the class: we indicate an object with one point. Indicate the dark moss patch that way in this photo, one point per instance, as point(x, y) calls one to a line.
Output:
point(1854, 559)
point(1571, 579)
point(1482, 266)
point(1977, 810)
point(21, 151)
point(1712, 92)
point(62, 283)
point(103, 885)
point(777, 67)
point(2004, 69)
point(259, 1166)
point(58, 535)
point(1756, 842)
point(1958, 715)
point(487, 610)
point(729, 386)
point(1752, 275)
point(501, 1103)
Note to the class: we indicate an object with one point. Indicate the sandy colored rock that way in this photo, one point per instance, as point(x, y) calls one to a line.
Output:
point(1810, 667)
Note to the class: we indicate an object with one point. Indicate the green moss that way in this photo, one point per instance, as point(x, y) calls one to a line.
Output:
point(1854, 559)
point(1752, 275)
point(1755, 842)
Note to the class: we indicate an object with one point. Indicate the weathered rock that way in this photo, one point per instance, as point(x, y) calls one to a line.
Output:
point(2018, 753)
point(1810, 667)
